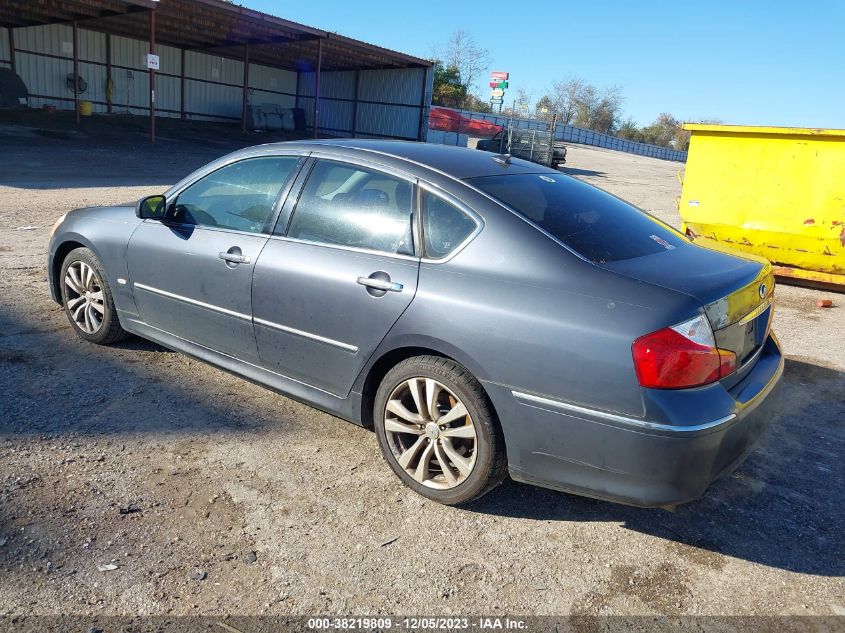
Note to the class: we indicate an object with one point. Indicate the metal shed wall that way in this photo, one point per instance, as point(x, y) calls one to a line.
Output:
point(377, 103)
point(270, 85)
point(213, 84)
point(5, 55)
point(44, 59)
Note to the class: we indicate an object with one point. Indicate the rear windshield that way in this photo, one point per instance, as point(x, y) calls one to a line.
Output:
point(595, 224)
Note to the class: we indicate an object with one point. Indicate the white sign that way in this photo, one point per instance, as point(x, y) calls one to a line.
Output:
point(67, 48)
point(153, 62)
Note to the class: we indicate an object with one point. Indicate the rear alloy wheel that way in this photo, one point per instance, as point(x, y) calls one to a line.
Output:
point(87, 299)
point(437, 430)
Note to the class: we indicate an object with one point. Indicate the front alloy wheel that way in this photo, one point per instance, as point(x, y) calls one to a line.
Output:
point(87, 298)
point(84, 297)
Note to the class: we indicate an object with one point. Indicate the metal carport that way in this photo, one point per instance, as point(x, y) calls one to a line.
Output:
point(346, 87)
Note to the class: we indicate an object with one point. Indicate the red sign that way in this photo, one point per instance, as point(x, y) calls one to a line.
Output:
point(494, 84)
point(499, 74)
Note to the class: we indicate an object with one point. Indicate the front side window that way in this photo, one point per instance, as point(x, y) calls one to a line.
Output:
point(240, 196)
point(598, 226)
point(353, 206)
point(444, 226)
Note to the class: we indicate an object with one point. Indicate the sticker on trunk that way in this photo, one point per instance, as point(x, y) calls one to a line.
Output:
point(662, 242)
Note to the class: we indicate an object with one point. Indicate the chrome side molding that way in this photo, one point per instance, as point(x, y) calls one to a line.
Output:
point(557, 406)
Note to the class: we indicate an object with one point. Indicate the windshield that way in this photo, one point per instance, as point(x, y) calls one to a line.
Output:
point(593, 223)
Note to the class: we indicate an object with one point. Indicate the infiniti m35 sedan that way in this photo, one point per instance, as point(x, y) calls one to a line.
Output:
point(485, 315)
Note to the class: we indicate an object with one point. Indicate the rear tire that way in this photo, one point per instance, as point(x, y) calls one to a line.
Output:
point(438, 432)
point(87, 298)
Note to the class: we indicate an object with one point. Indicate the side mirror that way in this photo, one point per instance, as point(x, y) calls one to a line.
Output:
point(151, 208)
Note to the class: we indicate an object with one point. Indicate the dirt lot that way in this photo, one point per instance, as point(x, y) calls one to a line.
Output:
point(211, 495)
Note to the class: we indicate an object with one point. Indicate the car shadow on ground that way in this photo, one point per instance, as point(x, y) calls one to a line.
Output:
point(52, 383)
point(575, 171)
point(781, 508)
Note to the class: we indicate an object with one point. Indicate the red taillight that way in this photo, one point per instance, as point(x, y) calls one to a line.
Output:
point(684, 355)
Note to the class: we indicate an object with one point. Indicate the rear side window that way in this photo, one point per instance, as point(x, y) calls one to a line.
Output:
point(353, 206)
point(595, 224)
point(444, 226)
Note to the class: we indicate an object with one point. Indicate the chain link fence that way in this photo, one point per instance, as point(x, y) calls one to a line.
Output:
point(465, 127)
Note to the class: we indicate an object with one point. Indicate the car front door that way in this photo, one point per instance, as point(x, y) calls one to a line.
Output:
point(191, 274)
point(332, 282)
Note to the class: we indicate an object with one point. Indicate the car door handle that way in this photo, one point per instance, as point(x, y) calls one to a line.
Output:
point(380, 284)
point(234, 258)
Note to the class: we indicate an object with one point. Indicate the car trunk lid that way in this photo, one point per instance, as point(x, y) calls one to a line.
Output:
point(735, 291)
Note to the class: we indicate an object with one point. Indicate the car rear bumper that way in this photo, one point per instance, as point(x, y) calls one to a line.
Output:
point(635, 461)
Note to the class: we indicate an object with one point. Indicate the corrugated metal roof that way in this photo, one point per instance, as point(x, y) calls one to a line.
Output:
point(214, 26)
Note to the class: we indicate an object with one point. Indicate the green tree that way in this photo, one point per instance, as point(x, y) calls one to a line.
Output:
point(629, 131)
point(545, 108)
point(665, 131)
point(476, 104)
point(449, 90)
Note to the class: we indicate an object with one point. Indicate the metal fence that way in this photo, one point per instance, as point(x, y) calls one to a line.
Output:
point(473, 124)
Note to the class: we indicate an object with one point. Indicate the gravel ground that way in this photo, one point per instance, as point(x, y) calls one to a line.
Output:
point(135, 480)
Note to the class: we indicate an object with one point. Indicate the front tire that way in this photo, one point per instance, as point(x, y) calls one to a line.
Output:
point(87, 298)
point(438, 432)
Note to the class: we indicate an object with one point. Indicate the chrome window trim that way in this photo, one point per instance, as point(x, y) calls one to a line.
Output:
point(341, 247)
point(201, 304)
point(529, 399)
point(314, 337)
point(462, 207)
point(421, 185)
point(387, 170)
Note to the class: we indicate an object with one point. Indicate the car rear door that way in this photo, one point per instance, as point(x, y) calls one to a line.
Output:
point(191, 274)
point(336, 275)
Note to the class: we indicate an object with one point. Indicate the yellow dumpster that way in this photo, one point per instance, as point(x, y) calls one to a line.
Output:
point(771, 191)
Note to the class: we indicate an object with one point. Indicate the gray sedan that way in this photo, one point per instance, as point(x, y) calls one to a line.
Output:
point(483, 314)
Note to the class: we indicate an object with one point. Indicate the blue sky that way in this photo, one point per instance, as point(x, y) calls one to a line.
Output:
point(779, 62)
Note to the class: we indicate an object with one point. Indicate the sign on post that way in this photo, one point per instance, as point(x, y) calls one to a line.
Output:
point(498, 84)
point(153, 62)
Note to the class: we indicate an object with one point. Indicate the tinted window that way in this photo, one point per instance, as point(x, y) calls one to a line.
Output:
point(595, 224)
point(444, 226)
point(239, 196)
point(352, 206)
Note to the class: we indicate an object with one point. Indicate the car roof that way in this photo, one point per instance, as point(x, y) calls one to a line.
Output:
point(457, 162)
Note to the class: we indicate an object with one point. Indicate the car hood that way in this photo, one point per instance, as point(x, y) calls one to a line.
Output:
point(114, 210)
point(123, 213)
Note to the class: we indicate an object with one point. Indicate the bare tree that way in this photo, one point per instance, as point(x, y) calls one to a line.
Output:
point(577, 102)
point(463, 52)
point(522, 103)
point(566, 95)
point(603, 110)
